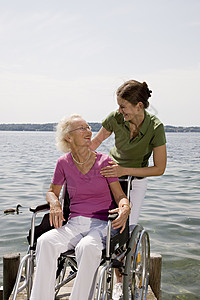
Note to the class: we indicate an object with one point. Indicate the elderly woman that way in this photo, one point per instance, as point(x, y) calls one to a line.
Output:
point(90, 202)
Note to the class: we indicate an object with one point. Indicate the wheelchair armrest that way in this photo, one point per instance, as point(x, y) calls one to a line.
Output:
point(112, 217)
point(39, 208)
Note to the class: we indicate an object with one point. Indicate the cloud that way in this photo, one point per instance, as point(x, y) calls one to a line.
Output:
point(176, 96)
point(64, 59)
point(194, 24)
point(38, 98)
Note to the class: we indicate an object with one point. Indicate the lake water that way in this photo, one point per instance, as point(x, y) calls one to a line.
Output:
point(171, 212)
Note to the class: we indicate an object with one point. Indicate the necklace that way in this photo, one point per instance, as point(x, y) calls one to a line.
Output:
point(81, 163)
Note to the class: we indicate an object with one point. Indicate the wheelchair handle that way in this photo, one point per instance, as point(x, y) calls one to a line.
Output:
point(40, 208)
point(112, 217)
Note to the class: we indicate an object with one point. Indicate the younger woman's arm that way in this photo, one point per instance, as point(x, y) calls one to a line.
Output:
point(102, 135)
point(158, 168)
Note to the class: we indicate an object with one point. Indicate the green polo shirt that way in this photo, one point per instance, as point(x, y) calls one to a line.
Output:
point(135, 152)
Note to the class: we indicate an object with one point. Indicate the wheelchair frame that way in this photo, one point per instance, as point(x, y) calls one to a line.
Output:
point(128, 252)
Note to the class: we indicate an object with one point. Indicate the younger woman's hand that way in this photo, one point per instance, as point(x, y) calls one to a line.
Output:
point(114, 170)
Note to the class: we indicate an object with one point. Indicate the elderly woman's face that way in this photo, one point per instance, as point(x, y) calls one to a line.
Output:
point(80, 132)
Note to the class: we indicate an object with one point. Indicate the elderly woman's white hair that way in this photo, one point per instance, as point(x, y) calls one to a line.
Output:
point(63, 127)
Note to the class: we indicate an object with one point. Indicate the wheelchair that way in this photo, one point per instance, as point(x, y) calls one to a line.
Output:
point(128, 252)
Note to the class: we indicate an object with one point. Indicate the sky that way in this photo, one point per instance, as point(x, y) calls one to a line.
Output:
point(63, 57)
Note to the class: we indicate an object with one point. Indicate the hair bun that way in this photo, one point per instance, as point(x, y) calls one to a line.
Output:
point(147, 89)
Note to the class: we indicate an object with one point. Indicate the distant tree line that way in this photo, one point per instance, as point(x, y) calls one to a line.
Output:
point(39, 127)
point(169, 128)
point(95, 127)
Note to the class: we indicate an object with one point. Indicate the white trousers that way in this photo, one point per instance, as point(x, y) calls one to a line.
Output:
point(86, 236)
point(137, 194)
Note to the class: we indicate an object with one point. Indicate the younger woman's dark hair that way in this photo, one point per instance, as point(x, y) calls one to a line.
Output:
point(134, 92)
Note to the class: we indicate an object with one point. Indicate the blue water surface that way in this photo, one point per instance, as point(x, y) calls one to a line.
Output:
point(170, 213)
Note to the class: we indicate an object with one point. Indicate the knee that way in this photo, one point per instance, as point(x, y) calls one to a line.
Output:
point(42, 245)
point(90, 249)
point(46, 246)
point(42, 241)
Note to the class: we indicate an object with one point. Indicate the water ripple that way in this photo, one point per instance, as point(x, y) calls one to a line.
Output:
point(170, 212)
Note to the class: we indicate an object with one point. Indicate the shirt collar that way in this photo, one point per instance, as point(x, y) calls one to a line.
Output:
point(145, 124)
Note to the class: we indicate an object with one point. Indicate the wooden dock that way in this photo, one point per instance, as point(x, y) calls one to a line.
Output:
point(67, 290)
point(154, 291)
point(150, 296)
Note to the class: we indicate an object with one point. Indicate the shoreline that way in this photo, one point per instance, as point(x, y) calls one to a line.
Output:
point(49, 127)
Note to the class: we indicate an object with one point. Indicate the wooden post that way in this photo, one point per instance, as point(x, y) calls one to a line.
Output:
point(10, 268)
point(155, 274)
point(1, 293)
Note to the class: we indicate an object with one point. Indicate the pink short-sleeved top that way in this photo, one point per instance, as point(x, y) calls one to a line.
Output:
point(89, 193)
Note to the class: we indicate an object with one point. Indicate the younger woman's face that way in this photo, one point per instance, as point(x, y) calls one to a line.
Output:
point(128, 110)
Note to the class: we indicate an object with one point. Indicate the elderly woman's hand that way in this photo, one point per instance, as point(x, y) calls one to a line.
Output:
point(120, 221)
point(114, 170)
point(56, 214)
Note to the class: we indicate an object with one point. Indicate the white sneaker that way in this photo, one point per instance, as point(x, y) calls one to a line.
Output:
point(117, 291)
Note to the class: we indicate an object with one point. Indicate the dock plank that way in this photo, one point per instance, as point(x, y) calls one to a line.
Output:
point(67, 289)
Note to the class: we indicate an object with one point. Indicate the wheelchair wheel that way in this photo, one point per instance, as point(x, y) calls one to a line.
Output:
point(136, 273)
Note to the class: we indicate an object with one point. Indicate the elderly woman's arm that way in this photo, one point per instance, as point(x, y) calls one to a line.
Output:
point(123, 206)
point(56, 213)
